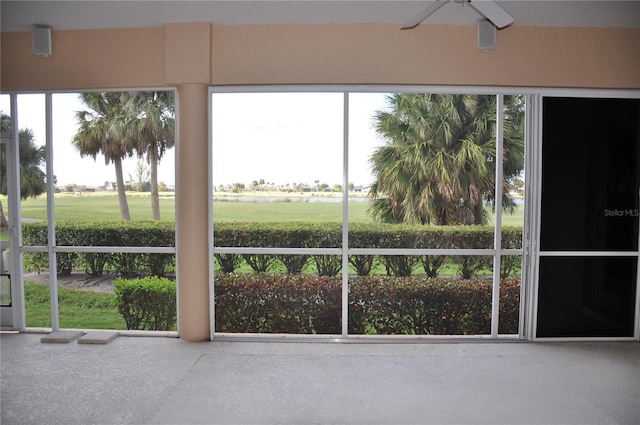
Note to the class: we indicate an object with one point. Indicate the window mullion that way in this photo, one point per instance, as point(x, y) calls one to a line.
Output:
point(15, 226)
point(495, 296)
point(51, 226)
point(345, 216)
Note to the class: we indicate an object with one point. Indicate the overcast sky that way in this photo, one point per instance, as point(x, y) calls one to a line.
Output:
point(291, 137)
point(279, 137)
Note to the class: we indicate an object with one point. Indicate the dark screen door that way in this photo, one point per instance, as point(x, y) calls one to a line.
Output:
point(587, 274)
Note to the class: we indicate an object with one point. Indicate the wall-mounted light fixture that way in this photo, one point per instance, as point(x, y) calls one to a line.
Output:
point(41, 40)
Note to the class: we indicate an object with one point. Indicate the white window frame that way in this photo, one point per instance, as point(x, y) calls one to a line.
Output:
point(497, 252)
point(16, 243)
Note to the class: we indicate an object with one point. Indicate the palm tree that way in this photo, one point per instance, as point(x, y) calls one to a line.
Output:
point(103, 129)
point(31, 157)
point(5, 123)
point(152, 132)
point(438, 163)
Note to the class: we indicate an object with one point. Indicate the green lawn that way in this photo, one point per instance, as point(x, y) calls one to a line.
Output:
point(288, 211)
point(77, 309)
point(95, 207)
point(105, 207)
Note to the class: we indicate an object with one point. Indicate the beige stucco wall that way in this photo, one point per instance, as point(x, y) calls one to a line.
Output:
point(428, 54)
point(84, 60)
point(324, 54)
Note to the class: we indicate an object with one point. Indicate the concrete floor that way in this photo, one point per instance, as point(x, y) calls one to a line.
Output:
point(143, 380)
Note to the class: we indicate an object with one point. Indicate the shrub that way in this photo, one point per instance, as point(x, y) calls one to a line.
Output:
point(309, 304)
point(400, 265)
point(432, 263)
point(228, 262)
point(103, 233)
point(470, 265)
point(362, 263)
point(426, 306)
point(293, 263)
point(328, 265)
point(260, 263)
point(275, 303)
point(147, 303)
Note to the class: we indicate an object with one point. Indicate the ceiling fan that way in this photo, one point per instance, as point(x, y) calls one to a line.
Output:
point(487, 8)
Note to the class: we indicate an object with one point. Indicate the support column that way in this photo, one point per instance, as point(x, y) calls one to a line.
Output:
point(192, 212)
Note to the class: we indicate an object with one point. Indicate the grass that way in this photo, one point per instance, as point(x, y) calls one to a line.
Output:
point(104, 206)
point(99, 206)
point(77, 309)
point(288, 211)
point(448, 269)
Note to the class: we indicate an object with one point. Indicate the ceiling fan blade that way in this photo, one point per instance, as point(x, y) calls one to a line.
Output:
point(490, 9)
point(423, 14)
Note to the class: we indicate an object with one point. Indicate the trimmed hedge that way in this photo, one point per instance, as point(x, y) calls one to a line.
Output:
point(309, 304)
point(363, 235)
point(283, 235)
point(275, 303)
point(146, 304)
point(103, 233)
point(427, 306)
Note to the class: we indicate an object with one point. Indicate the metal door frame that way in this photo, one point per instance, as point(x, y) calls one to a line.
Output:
point(534, 108)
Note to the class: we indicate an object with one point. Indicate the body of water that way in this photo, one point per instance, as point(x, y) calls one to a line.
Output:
point(325, 199)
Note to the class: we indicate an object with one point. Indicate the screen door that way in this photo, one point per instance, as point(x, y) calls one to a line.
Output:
point(588, 259)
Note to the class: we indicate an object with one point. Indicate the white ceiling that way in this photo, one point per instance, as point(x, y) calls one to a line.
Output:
point(21, 15)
